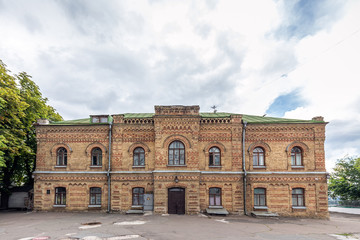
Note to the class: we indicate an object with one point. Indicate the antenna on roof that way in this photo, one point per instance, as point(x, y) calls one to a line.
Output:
point(214, 108)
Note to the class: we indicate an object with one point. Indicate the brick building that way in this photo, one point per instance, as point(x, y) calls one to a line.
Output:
point(178, 160)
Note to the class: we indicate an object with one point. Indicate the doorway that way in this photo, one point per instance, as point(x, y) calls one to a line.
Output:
point(176, 201)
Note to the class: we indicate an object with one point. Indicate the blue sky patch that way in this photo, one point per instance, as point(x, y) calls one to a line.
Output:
point(306, 17)
point(284, 103)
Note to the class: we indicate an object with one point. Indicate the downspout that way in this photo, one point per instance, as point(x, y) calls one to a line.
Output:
point(109, 168)
point(243, 164)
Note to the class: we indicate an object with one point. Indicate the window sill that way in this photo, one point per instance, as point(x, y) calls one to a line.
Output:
point(94, 206)
point(215, 166)
point(261, 167)
point(260, 207)
point(94, 166)
point(298, 167)
point(216, 207)
point(60, 166)
point(176, 165)
point(298, 207)
point(138, 166)
point(59, 206)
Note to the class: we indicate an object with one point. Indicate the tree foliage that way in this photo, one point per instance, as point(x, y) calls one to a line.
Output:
point(345, 180)
point(21, 104)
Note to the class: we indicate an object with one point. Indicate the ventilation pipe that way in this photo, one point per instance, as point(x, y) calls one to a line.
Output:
point(109, 168)
point(243, 164)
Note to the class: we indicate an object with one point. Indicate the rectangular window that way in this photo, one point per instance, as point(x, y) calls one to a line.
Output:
point(95, 196)
point(215, 196)
point(260, 197)
point(103, 119)
point(60, 196)
point(298, 197)
point(138, 196)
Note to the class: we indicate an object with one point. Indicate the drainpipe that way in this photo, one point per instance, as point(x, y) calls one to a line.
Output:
point(109, 168)
point(243, 163)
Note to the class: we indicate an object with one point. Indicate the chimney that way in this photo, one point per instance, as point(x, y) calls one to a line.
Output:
point(318, 119)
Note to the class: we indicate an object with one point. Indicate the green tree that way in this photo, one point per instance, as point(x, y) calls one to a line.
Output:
point(21, 104)
point(345, 180)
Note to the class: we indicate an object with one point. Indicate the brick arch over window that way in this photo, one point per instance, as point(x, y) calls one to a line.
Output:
point(261, 144)
point(136, 145)
point(215, 144)
point(180, 138)
point(94, 145)
point(56, 146)
point(304, 148)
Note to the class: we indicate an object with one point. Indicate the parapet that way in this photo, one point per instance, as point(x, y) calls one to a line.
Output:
point(177, 110)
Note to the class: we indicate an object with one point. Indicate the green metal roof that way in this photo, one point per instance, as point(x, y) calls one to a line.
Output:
point(138, 115)
point(259, 119)
point(248, 118)
point(215, 115)
point(72, 122)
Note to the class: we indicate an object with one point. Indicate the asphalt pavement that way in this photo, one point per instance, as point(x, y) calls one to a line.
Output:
point(115, 226)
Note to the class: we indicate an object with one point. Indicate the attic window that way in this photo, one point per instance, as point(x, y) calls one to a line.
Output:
point(103, 119)
point(99, 119)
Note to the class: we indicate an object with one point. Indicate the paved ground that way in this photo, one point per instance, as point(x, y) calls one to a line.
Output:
point(21, 225)
point(345, 210)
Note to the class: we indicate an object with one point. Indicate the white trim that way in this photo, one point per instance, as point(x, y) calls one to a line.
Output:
point(260, 207)
point(297, 166)
point(298, 207)
point(61, 206)
point(112, 172)
point(213, 172)
point(259, 166)
point(94, 206)
point(216, 206)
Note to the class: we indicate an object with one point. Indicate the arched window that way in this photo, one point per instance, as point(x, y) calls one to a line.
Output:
point(296, 156)
point(60, 196)
point(214, 157)
point(96, 157)
point(176, 153)
point(61, 157)
point(298, 199)
point(258, 157)
point(259, 197)
point(215, 196)
point(139, 157)
point(138, 196)
point(95, 196)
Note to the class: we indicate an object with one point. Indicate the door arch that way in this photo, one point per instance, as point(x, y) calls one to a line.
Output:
point(176, 200)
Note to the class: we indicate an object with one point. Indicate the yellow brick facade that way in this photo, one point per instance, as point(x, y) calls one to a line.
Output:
point(198, 133)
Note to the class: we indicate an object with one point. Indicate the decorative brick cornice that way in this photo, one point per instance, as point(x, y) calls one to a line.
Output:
point(70, 178)
point(287, 179)
point(215, 121)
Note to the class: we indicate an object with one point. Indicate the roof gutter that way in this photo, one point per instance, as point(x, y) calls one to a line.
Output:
point(109, 169)
point(243, 164)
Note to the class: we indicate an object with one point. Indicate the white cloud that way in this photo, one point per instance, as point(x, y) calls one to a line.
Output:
point(93, 57)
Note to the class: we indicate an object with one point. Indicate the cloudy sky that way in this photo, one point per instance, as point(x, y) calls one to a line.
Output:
point(293, 58)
